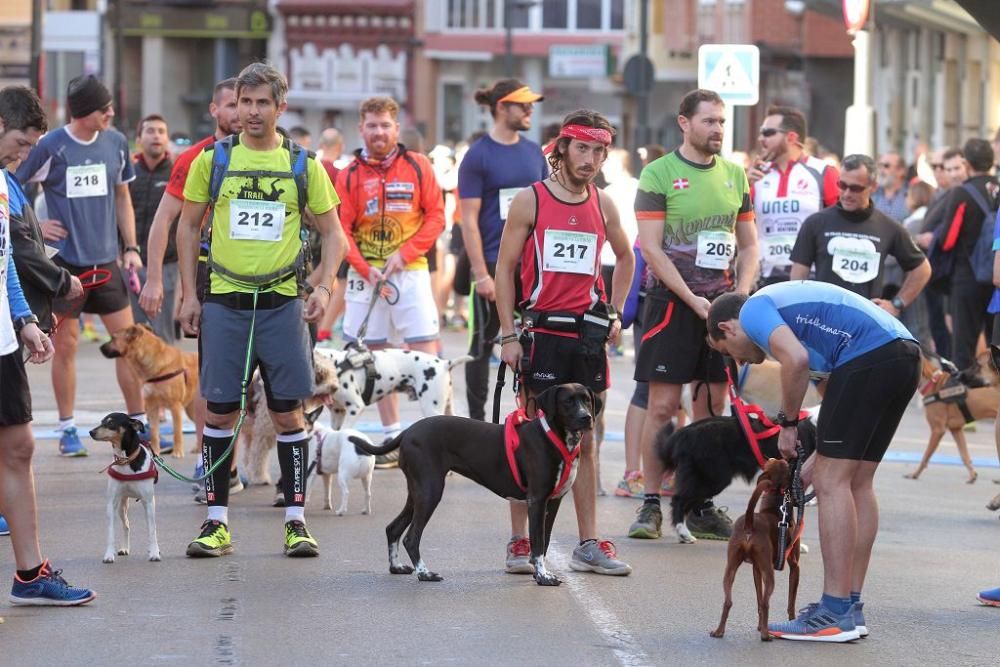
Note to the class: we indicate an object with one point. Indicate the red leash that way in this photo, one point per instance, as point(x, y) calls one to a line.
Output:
point(512, 441)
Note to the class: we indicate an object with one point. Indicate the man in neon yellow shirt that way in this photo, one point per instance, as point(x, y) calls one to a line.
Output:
point(255, 247)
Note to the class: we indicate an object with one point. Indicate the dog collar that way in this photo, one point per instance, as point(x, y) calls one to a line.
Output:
point(168, 376)
point(151, 472)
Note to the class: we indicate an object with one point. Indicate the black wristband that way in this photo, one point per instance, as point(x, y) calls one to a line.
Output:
point(784, 422)
point(133, 248)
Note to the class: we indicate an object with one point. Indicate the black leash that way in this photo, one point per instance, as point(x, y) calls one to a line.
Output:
point(793, 501)
point(498, 391)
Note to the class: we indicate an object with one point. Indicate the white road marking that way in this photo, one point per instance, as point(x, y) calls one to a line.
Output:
point(627, 651)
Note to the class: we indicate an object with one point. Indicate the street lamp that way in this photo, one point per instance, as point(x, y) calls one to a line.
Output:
point(508, 10)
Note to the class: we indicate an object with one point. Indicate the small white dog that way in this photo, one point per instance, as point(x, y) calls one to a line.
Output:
point(131, 475)
point(335, 453)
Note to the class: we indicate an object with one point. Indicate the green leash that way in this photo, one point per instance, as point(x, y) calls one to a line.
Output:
point(243, 410)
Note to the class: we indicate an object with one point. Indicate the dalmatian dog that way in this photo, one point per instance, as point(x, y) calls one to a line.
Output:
point(364, 377)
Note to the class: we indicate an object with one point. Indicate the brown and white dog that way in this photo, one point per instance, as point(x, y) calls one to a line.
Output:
point(170, 380)
point(943, 413)
point(132, 474)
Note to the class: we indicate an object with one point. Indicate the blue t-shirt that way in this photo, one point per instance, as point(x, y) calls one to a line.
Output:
point(18, 200)
point(494, 173)
point(79, 180)
point(833, 324)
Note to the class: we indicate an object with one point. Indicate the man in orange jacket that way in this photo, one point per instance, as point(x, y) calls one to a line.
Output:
point(392, 212)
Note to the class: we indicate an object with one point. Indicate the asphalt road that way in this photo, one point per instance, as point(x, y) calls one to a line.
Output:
point(937, 547)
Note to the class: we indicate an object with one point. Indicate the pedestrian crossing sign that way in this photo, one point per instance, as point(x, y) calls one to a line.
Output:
point(731, 70)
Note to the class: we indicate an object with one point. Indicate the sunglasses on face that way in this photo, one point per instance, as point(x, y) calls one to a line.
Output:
point(937, 166)
point(887, 165)
point(769, 131)
point(856, 189)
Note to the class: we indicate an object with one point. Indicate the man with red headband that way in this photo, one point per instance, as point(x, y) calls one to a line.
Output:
point(556, 229)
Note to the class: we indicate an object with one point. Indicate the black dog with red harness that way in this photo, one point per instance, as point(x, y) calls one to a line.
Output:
point(707, 455)
point(526, 459)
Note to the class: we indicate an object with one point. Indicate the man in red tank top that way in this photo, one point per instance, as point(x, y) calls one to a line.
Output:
point(556, 229)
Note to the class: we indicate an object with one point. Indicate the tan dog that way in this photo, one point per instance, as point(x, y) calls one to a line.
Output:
point(982, 403)
point(755, 541)
point(169, 376)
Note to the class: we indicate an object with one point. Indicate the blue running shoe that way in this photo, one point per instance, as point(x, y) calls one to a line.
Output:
point(199, 470)
point(48, 589)
point(816, 623)
point(859, 618)
point(4, 528)
point(69, 443)
point(990, 598)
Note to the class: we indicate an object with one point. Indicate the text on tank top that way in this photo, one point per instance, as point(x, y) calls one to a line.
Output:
point(561, 261)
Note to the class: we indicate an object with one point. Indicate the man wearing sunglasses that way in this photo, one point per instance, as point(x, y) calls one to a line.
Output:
point(848, 243)
point(787, 186)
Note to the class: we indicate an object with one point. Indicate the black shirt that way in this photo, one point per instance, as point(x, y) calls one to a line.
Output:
point(965, 218)
point(147, 189)
point(849, 248)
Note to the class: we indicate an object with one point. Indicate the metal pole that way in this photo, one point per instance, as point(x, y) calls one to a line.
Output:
point(120, 111)
point(642, 100)
point(35, 68)
point(508, 40)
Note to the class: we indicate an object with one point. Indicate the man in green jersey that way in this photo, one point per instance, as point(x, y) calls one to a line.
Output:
point(696, 224)
point(255, 257)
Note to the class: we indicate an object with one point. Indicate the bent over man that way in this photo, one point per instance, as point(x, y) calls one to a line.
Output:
point(254, 258)
point(556, 228)
point(871, 366)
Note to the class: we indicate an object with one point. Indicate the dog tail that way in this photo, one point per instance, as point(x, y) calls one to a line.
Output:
point(667, 443)
point(377, 450)
point(459, 361)
point(763, 486)
point(360, 445)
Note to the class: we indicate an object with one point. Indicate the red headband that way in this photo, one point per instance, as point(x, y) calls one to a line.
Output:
point(585, 133)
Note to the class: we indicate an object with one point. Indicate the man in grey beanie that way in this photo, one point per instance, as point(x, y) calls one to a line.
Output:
point(84, 169)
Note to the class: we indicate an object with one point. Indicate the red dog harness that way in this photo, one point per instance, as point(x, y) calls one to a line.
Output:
point(512, 440)
point(152, 472)
point(746, 410)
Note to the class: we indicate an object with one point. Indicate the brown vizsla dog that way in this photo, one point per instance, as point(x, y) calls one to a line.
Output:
point(755, 541)
point(169, 376)
point(941, 416)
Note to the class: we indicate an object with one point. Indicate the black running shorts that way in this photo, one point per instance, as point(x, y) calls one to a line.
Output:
point(104, 300)
point(865, 399)
point(15, 397)
point(673, 348)
point(557, 359)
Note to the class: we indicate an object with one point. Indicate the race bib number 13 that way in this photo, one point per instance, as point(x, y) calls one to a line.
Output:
point(86, 180)
point(252, 220)
point(715, 250)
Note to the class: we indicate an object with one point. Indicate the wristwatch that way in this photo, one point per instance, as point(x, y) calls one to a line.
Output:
point(612, 313)
point(784, 421)
point(897, 303)
point(133, 248)
point(21, 322)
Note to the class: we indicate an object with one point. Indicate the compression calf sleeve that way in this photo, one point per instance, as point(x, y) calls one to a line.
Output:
point(214, 443)
point(293, 457)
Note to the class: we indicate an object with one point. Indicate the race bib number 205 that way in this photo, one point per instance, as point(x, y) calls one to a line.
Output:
point(715, 249)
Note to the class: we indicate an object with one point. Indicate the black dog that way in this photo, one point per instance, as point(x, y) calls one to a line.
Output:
point(707, 455)
point(435, 445)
